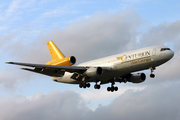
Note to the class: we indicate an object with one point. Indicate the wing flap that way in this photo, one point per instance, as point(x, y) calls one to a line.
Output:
point(71, 69)
point(47, 72)
point(57, 71)
point(77, 77)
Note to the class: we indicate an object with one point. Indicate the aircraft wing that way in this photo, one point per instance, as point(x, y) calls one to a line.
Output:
point(51, 70)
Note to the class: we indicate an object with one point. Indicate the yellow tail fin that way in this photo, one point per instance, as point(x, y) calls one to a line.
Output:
point(57, 57)
point(54, 51)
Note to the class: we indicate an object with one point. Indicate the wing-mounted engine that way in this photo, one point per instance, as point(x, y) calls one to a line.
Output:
point(90, 72)
point(94, 72)
point(137, 78)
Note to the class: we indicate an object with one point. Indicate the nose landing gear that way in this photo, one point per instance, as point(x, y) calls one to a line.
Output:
point(152, 70)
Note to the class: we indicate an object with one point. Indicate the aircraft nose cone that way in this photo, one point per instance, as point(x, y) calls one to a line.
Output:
point(170, 54)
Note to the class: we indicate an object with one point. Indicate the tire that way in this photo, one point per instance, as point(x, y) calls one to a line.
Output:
point(84, 86)
point(112, 89)
point(152, 75)
point(95, 86)
point(80, 85)
point(88, 85)
point(116, 88)
point(108, 89)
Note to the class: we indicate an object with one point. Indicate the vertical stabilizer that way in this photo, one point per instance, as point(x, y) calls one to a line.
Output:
point(57, 57)
point(54, 51)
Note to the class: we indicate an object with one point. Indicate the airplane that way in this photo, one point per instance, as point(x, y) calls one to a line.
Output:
point(112, 69)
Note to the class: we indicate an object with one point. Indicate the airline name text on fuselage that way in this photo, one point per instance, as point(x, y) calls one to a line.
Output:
point(141, 60)
point(134, 56)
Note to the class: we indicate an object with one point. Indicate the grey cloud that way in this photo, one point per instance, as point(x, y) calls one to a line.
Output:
point(168, 72)
point(101, 35)
point(163, 33)
point(11, 77)
point(154, 102)
point(55, 105)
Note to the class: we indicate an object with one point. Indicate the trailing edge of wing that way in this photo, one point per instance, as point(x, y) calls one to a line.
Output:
point(54, 71)
point(51, 73)
point(78, 69)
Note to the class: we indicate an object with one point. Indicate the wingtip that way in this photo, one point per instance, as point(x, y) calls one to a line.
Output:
point(24, 68)
point(9, 62)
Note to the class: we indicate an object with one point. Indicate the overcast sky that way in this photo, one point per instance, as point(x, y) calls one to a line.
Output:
point(87, 30)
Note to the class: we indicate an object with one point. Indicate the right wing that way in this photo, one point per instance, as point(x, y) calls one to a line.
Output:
point(51, 70)
point(55, 71)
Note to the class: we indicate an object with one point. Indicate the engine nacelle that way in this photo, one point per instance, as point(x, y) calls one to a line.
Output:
point(94, 72)
point(67, 61)
point(137, 78)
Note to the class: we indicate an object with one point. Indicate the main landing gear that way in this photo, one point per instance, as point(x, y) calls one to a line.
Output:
point(152, 70)
point(84, 85)
point(112, 88)
point(96, 86)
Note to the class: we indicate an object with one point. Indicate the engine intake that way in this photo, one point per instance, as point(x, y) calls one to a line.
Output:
point(137, 78)
point(94, 72)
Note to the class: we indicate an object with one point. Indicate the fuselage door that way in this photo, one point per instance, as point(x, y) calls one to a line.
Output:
point(154, 52)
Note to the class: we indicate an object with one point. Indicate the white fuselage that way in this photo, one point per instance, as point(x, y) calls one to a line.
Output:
point(122, 64)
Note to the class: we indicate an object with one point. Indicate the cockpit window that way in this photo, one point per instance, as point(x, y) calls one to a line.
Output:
point(163, 49)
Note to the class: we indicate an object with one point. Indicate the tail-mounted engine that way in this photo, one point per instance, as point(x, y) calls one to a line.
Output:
point(57, 56)
point(67, 61)
point(137, 78)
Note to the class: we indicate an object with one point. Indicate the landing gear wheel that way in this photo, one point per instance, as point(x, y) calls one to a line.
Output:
point(84, 86)
point(116, 88)
point(112, 89)
point(152, 69)
point(97, 86)
point(88, 85)
point(152, 75)
point(80, 85)
point(108, 89)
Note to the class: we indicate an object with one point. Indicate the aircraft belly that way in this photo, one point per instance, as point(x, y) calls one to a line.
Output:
point(66, 79)
point(107, 75)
